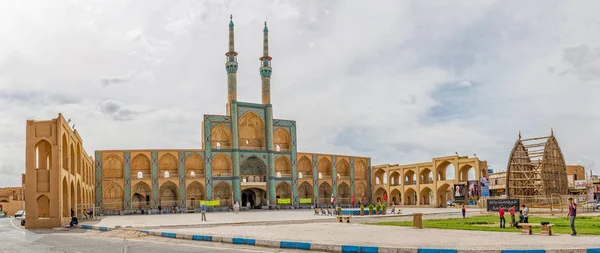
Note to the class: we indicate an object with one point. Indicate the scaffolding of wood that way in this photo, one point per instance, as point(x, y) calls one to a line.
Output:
point(536, 167)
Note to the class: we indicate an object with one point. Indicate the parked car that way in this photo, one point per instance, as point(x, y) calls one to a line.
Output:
point(2, 215)
point(450, 203)
point(23, 219)
point(19, 213)
point(598, 206)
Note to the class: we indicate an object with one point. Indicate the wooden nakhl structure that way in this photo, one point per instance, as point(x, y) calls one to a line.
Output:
point(536, 168)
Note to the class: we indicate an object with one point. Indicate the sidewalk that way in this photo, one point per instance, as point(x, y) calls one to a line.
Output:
point(391, 236)
point(247, 217)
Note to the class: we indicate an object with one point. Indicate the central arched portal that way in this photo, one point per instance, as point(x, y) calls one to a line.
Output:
point(253, 198)
point(253, 169)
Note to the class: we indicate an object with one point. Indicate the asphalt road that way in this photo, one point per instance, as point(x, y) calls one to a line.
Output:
point(14, 238)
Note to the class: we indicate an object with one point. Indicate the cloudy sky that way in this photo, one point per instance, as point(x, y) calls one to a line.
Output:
point(399, 81)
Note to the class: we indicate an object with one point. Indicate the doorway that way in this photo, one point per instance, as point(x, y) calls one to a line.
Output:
point(248, 196)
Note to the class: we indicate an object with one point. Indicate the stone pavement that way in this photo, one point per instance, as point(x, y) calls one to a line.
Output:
point(254, 217)
point(394, 237)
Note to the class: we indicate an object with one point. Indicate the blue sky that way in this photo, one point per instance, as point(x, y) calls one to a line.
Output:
point(399, 81)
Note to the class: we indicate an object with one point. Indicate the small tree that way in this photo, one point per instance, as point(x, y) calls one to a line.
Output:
point(371, 209)
point(378, 207)
point(362, 209)
point(383, 208)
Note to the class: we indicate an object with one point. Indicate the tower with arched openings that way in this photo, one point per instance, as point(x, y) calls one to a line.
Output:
point(60, 174)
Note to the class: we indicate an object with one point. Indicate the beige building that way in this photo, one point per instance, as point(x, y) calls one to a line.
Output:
point(60, 174)
point(11, 200)
point(497, 184)
point(429, 183)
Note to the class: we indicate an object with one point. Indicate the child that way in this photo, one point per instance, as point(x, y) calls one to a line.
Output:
point(464, 211)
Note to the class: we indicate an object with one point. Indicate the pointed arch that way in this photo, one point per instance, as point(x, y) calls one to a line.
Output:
point(221, 165)
point(72, 169)
point(43, 151)
point(395, 197)
point(344, 194)
point(305, 167)
point(167, 165)
point(222, 191)
point(379, 195)
point(395, 178)
point(283, 191)
point(193, 194)
point(426, 196)
point(379, 175)
point(325, 192)
point(410, 196)
point(426, 176)
point(168, 195)
point(343, 169)
point(324, 167)
point(251, 131)
point(281, 139)
point(141, 196)
point(112, 167)
point(112, 196)
point(445, 171)
point(466, 173)
point(73, 197)
point(360, 170)
point(220, 137)
point(43, 206)
point(141, 163)
point(410, 177)
point(65, 198)
point(284, 166)
point(305, 191)
point(78, 159)
point(65, 153)
point(194, 164)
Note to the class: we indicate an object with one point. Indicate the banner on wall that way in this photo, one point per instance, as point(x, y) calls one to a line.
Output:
point(305, 201)
point(459, 193)
point(210, 202)
point(473, 191)
point(284, 201)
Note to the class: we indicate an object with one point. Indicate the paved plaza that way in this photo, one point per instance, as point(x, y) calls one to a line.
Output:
point(303, 226)
point(393, 236)
point(258, 216)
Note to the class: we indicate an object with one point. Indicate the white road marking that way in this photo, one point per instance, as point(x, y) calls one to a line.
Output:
point(13, 224)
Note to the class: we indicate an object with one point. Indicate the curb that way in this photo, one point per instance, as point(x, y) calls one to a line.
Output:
point(99, 228)
point(342, 248)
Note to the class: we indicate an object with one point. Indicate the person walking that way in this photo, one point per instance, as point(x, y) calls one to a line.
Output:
point(464, 211)
point(203, 211)
point(502, 220)
point(512, 215)
point(571, 215)
point(525, 213)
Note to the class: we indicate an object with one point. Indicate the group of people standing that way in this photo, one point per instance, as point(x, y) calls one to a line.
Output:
point(523, 216)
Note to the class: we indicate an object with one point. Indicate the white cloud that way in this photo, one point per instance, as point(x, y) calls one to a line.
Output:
point(400, 82)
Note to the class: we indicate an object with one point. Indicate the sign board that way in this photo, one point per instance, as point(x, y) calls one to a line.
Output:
point(306, 201)
point(284, 201)
point(485, 191)
point(580, 184)
point(459, 193)
point(490, 171)
point(211, 202)
point(493, 205)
